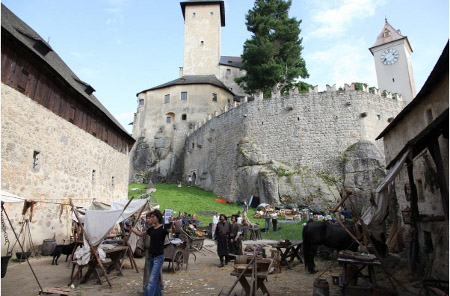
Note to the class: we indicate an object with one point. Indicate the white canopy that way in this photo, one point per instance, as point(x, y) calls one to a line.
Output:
point(9, 197)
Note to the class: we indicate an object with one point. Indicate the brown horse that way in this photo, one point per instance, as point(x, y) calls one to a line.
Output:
point(333, 236)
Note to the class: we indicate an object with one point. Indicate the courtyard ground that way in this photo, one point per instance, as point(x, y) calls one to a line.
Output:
point(202, 277)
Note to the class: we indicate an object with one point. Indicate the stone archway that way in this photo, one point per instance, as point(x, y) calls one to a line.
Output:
point(194, 176)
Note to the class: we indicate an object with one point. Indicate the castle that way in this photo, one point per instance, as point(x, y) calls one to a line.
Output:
point(304, 148)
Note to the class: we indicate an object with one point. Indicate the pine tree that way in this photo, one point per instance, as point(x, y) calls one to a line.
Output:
point(272, 57)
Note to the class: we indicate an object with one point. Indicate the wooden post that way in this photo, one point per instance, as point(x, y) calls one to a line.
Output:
point(93, 249)
point(435, 152)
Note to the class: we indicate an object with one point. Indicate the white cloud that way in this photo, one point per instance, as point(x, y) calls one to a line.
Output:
point(340, 64)
point(334, 20)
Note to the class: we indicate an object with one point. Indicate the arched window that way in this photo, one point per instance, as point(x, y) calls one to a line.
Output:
point(170, 118)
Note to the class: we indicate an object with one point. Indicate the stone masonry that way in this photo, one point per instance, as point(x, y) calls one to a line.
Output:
point(292, 149)
point(71, 164)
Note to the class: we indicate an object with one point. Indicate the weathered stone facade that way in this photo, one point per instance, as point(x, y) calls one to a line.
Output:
point(289, 149)
point(71, 164)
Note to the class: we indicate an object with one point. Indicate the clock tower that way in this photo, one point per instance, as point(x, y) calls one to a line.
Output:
point(392, 53)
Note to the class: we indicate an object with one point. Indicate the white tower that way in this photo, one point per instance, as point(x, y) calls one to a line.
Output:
point(202, 25)
point(392, 53)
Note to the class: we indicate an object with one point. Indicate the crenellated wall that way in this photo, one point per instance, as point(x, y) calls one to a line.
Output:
point(308, 131)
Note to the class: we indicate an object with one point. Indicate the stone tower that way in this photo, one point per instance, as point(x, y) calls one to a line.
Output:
point(202, 27)
point(392, 53)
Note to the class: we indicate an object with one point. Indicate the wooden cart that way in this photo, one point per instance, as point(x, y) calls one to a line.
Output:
point(177, 254)
point(194, 243)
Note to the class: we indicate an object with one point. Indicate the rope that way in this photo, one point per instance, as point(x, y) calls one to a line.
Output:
point(5, 235)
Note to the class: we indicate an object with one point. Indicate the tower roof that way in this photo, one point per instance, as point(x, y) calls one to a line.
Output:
point(206, 2)
point(389, 34)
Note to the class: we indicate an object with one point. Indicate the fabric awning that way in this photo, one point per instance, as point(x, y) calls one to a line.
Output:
point(9, 197)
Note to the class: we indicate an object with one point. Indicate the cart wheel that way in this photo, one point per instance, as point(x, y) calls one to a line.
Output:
point(178, 261)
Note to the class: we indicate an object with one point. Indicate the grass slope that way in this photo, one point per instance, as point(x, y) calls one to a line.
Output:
point(193, 200)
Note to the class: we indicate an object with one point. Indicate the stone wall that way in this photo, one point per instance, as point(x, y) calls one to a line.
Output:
point(304, 133)
point(67, 159)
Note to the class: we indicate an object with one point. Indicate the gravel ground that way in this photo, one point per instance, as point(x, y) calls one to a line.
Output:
point(202, 277)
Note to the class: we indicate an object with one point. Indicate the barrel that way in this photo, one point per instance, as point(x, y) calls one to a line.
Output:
point(321, 287)
point(48, 246)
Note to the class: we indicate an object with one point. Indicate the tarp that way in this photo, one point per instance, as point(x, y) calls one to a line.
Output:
point(374, 216)
point(9, 197)
point(134, 206)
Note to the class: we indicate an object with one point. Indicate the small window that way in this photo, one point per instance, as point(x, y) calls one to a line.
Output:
point(420, 193)
point(214, 97)
point(141, 103)
point(202, 42)
point(228, 71)
point(112, 181)
point(211, 13)
point(183, 117)
point(378, 116)
point(429, 116)
point(184, 95)
point(192, 145)
point(93, 176)
point(167, 99)
point(36, 157)
point(168, 119)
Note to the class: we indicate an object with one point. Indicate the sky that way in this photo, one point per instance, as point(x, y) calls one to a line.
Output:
point(122, 47)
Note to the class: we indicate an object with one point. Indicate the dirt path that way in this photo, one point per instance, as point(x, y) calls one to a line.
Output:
point(203, 277)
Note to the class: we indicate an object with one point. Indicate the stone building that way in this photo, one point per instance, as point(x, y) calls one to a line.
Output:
point(420, 132)
point(58, 141)
point(168, 112)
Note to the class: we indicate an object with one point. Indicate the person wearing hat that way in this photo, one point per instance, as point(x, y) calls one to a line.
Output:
point(222, 239)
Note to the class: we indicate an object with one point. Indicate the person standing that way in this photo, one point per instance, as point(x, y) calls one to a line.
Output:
point(235, 237)
point(215, 221)
point(267, 221)
point(274, 217)
point(245, 209)
point(222, 238)
point(155, 258)
point(190, 180)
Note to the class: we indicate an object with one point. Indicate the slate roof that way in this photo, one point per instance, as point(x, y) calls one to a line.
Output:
point(205, 2)
point(231, 61)
point(30, 39)
point(393, 35)
point(192, 79)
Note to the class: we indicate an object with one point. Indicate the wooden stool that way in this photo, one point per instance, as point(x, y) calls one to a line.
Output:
point(276, 255)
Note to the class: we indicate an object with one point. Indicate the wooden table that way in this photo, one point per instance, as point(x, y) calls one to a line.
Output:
point(344, 280)
point(116, 255)
point(290, 252)
point(260, 278)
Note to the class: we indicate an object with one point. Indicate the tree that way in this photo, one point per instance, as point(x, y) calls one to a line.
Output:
point(272, 57)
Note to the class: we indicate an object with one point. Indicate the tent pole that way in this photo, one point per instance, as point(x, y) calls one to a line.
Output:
point(93, 249)
point(21, 247)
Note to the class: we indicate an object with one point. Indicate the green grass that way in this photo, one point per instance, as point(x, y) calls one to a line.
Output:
point(193, 200)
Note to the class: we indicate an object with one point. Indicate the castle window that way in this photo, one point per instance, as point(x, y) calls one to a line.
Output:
point(214, 97)
point(202, 42)
point(386, 33)
point(141, 103)
point(36, 162)
point(183, 117)
point(212, 13)
point(420, 193)
point(112, 181)
point(378, 116)
point(192, 145)
point(170, 117)
point(429, 116)
point(93, 176)
point(184, 95)
point(228, 71)
point(167, 99)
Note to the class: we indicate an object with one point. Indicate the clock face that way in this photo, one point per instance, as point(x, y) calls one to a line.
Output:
point(389, 56)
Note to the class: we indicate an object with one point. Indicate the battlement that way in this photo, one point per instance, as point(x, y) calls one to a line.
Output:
point(294, 92)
